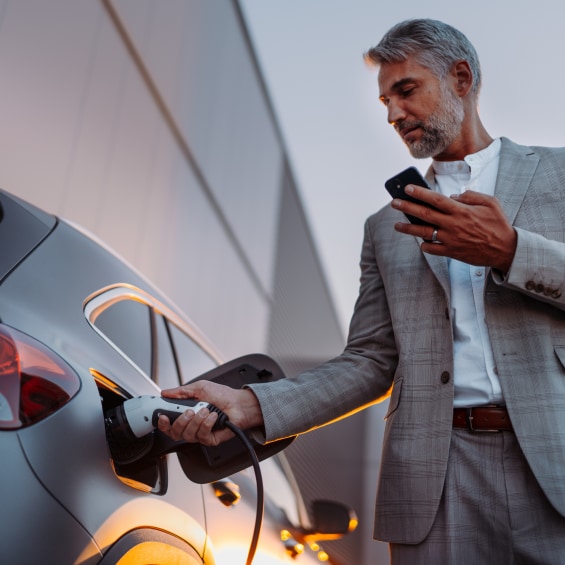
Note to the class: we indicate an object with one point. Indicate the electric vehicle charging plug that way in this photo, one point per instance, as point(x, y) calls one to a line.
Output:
point(137, 417)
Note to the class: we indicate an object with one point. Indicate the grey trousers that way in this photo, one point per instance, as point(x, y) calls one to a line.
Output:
point(492, 512)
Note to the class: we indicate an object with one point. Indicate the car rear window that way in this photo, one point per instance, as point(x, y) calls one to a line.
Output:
point(22, 228)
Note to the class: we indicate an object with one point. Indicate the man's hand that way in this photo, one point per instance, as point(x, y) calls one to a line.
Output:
point(471, 227)
point(240, 405)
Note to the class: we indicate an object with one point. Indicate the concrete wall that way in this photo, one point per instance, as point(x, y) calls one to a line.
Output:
point(147, 122)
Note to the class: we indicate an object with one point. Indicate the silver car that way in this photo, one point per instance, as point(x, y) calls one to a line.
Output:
point(81, 332)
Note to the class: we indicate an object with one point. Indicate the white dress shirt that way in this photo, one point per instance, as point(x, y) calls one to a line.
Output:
point(475, 379)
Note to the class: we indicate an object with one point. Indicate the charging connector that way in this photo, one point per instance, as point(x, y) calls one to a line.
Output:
point(137, 417)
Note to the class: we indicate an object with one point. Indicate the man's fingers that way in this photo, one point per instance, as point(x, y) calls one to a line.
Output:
point(431, 197)
point(163, 423)
point(471, 197)
point(193, 427)
point(433, 207)
point(182, 426)
point(201, 390)
point(185, 391)
point(444, 210)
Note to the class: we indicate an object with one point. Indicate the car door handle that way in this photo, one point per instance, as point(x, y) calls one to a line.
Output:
point(226, 491)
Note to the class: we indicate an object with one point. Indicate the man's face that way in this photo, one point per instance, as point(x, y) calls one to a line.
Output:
point(423, 109)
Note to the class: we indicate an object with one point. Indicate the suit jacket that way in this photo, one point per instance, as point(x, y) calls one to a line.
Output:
point(401, 344)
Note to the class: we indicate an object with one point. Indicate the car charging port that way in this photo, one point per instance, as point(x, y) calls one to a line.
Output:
point(133, 461)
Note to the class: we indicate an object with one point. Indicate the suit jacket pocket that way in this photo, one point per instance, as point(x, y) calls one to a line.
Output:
point(395, 398)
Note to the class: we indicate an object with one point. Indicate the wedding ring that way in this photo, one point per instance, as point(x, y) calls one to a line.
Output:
point(434, 236)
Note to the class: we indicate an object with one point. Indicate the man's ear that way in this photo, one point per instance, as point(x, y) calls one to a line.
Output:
point(463, 76)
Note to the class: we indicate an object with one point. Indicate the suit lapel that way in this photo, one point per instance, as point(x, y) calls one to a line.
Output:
point(437, 264)
point(515, 171)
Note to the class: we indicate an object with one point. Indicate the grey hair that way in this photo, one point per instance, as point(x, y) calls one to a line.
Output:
point(435, 45)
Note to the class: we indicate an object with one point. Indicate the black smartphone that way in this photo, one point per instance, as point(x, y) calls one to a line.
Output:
point(396, 184)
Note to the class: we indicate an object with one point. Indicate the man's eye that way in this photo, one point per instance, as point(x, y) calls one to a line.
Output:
point(407, 92)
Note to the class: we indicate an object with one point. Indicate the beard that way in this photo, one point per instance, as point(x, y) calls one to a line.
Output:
point(441, 127)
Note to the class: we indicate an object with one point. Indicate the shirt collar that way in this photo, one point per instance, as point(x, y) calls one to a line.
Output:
point(475, 162)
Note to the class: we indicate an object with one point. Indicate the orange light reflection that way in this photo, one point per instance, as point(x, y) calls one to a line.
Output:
point(229, 555)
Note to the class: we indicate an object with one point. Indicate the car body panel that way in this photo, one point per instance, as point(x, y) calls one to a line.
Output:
point(32, 519)
point(101, 502)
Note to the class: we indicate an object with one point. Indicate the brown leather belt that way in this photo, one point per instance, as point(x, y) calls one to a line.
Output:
point(482, 419)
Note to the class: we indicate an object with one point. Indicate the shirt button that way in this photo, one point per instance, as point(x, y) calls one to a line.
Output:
point(479, 272)
point(444, 377)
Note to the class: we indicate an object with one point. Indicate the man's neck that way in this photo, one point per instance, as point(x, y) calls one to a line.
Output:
point(472, 139)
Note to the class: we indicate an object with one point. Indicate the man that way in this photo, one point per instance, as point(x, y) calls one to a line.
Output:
point(461, 321)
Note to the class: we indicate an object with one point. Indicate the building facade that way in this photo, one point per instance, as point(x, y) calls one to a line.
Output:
point(148, 123)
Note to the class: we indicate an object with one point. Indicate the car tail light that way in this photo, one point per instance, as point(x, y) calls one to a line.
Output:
point(34, 381)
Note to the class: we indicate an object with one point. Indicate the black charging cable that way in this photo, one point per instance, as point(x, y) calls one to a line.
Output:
point(224, 422)
point(260, 490)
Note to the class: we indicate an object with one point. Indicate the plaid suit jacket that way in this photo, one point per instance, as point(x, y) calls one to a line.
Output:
point(400, 345)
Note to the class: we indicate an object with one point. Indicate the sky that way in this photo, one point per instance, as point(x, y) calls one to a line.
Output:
point(341, 147)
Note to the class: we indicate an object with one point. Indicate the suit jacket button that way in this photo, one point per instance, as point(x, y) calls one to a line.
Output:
point(530, 285)
point(444, 377)
point(556, 294)
point(540, 287)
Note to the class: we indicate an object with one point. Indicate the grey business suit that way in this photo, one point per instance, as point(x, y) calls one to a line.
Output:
point(401, 337)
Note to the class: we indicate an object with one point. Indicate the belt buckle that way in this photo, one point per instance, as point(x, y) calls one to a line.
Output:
point(469, 421)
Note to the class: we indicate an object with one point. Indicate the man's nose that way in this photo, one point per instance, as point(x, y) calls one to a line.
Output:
point(395, 113)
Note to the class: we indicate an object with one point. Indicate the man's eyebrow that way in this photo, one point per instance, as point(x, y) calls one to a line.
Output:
point(399, 85)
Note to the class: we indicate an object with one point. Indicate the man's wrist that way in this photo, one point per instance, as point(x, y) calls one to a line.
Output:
point(252, 416)
point(506, 263)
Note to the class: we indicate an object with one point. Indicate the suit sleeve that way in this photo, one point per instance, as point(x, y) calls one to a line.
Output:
point(538, 269)
point(361, 375)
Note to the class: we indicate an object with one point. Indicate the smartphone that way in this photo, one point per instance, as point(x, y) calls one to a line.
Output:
point(396, 184)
